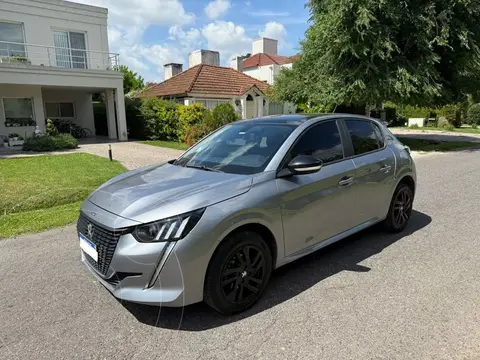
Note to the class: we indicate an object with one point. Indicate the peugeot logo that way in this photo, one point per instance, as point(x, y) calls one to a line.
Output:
point(90, 230)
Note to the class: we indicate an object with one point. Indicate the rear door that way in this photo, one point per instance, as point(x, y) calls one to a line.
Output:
point(317, 206)
point(375, 168)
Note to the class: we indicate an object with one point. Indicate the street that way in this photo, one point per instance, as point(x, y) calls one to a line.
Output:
point(415, 295)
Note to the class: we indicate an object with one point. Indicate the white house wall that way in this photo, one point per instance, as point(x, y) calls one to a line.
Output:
point(21, 91)
point(262, 73)
point(41, 17)
point(82, 101)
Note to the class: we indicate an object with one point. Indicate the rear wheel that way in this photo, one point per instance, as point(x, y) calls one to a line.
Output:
point(238, 273)
point(400, 209)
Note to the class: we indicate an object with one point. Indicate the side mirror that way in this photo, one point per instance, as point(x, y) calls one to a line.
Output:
point(304, 165)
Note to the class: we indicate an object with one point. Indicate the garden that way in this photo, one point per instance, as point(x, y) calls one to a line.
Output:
point(168, 124)
point(43, 192)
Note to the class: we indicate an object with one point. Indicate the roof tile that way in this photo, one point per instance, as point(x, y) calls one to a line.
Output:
point(263, 59)
point(206, 79)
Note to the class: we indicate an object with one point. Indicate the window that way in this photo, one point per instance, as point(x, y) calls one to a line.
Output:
point(379, 135)
point(70, 49)
point(18, 112)
point(322, 141)
point(54, 110)
point(243, 148)
point(12, 33)
point(210, 104)
point(363, 136)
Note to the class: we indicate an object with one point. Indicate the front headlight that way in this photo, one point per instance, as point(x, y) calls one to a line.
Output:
point(174, 228)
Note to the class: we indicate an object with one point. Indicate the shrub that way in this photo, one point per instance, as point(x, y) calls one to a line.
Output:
point(51, 128)
point(189, 116)
point(50, 143)
point(196, 133)
point(474, 126)
point(473, 115)
point(135, 121)
point(223, 114)
point(160, 118)
point(452, 114)
point(442, 122)
point(414, 126)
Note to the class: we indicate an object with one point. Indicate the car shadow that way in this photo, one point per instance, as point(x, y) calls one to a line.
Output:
point(286, 282)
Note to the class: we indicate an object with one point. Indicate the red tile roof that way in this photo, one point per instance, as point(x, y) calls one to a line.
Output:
point(206, 79)
point(266, 59)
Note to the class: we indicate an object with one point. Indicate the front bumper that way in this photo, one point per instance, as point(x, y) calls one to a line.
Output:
point(162, 273)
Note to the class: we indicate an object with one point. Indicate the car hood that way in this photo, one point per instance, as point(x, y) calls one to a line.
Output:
point(161, 191)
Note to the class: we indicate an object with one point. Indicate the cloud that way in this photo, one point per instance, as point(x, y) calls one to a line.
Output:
point(227, 38)
point(277, 31)
point(269, 13)
point(144, 12)
point(217, 8)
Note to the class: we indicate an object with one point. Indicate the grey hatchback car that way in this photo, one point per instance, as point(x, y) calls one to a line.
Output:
point(250, 197)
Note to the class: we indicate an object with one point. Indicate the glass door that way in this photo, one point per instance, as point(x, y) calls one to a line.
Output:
point(79, 54)
point(70, 49)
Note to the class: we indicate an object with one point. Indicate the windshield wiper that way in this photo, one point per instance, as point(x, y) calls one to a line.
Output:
point(203, 167)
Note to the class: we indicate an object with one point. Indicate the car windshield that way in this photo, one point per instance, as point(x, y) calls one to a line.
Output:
point(242, 148)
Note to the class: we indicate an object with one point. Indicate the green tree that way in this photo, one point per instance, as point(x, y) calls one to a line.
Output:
point(369, 51)
point(131, 80)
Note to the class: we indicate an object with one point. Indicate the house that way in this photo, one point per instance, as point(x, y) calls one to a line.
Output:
point(264, 64)
point(54, 55)
point(207, 83)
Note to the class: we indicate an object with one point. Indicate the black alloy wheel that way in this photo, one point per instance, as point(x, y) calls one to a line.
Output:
point(242, 276)
point(238, 273)
point(400, 209)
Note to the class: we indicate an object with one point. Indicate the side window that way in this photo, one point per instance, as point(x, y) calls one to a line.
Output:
point(363, 136)
point(379, 135)
point(322, 141)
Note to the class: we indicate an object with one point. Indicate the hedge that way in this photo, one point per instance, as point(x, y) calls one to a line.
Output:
point(50, 143)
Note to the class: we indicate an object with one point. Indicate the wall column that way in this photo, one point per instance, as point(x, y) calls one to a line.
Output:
point(110, 107)
point(243, 102)
point(121, 117)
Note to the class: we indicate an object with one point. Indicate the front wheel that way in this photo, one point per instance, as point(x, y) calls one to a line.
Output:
point(238, 273)
point(400, 209)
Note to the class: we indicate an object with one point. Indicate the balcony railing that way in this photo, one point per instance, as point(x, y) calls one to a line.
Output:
point(42, 55)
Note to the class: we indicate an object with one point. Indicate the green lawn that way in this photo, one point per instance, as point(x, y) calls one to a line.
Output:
point(429, 145)
point(167, 144)
point(43, 192)
point(464, 130)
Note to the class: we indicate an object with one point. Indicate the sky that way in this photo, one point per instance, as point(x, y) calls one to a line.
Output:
point(150, 33)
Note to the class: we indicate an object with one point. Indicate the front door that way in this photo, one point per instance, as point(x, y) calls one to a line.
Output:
point(375, 169)
point(316, 207)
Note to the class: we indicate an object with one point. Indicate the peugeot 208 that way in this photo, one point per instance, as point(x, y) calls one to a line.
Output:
point(250, 197)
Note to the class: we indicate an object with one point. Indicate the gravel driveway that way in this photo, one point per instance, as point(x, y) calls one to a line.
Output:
point(373, 296)
point(132, 154)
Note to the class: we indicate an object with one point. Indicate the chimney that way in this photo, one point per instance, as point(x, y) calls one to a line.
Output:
point(237, 62)
point(206, 57)
point(266, 46)
point(172, 69)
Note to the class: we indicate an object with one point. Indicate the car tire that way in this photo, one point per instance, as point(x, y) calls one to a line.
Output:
point(400, 209)
point(238, 273)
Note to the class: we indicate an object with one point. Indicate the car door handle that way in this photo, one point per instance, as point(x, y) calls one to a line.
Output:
point(386, 168)
point(346, 181)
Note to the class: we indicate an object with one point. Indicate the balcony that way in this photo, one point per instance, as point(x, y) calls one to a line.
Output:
point(53, 56)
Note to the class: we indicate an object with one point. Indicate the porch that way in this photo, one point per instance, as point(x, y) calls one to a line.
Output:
point(23, 107)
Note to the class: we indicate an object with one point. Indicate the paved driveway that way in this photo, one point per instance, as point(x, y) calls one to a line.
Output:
point(373, 296)
point(437, 135)
point(131, 154)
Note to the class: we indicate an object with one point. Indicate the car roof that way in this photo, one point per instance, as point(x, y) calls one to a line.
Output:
point(296, 119)
point(299, 119)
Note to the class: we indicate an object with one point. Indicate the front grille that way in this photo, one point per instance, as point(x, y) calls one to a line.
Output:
point(105, 241)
